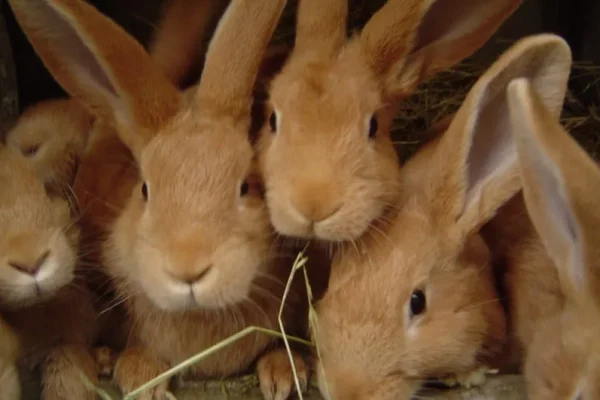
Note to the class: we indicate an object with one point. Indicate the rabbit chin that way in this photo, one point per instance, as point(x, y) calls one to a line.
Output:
point(214, 292)
point(21, 290)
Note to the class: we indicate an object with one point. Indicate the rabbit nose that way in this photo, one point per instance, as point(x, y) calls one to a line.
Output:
point(190, 277)
point(317, 211)
point(30, 268)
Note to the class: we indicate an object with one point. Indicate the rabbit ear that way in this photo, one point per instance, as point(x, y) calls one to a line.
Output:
point(474, 170)
point(410, 41)
point(97, 62)
point(177, 46)
point(560, 186)
point(234, 57)
point(320, 27)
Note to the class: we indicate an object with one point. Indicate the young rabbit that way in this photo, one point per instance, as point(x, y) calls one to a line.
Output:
point(9, 349)
point(560, 184)
point(53, 135)
point(417, 299)
point(328, 161)
point(190, 252)
point(41, 298)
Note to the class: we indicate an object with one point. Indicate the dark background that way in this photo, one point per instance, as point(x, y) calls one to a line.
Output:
point(578, 21)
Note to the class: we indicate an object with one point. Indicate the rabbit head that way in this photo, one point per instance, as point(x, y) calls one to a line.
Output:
point(560, 182)
point(419, 300)
point(326, 154)
point(38, 239)
point(195, 230)
point(53, 135)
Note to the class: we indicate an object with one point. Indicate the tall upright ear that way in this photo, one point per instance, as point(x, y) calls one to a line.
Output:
point(234, 56)
point(447, 32)
point(101, 65)
point(561, 186)
point(178, 44)
point(474, 169)
point(320, 27)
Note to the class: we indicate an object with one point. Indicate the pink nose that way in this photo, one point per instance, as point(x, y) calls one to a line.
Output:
point(30, 268)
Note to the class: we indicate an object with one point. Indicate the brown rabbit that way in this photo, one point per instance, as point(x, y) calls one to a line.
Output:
point(560, 184)
point(417, 299)
point(53, 134)
point(328, 161)
point(191, 250)
point(9, 350)
point(42, 299)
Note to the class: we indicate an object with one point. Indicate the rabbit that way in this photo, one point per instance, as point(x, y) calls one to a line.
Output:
point(417, 298)
point(325, 152)
point(182, 27)
point(190, 250)
point(53, 134)
point(9, 349)
point(560, 181)
point(42, 300)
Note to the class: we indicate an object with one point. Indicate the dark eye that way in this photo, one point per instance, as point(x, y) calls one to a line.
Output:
point(417, 302)
point(244, 188)
point(31, 150)
point(145, 191)
point(373, 127)
point(273, 122)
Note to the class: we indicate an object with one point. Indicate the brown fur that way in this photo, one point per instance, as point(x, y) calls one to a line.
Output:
point(324, 177)
point(53, 133)
point(181, 28)
point(9, 351)
point(560, 182)
point(193, 154)
point(370, 348)
point(50, 310)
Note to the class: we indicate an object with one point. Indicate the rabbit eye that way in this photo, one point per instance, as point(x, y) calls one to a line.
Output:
point(373, 127)
point(145, 191)
point(417, 302)
point(244, 188)
point(273, 122)
point(31, 150)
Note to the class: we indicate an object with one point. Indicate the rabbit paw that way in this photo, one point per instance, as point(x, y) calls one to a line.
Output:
point(105, 358)
point(134, 368)
point(10, 387)
point(276, 376)
point(64, 372)
point(470, 379)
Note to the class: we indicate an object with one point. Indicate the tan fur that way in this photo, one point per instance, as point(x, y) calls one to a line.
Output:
point(9, 350)
point(193, 161)
point(180, 31)
point(53, 133)
point(370, 348)
point(325, 178)
point(560, 182)
point(48, 307)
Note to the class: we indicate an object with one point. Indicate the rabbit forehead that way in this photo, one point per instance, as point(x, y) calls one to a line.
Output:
point(19, 182)
point(339, 89)
point(192, 153)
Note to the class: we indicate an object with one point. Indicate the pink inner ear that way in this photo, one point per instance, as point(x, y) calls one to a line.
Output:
point(82, 61)
point(492, 150)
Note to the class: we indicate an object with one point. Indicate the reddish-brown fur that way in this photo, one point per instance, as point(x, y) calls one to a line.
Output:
point(324, 177)
point(193, 154)
point(560, 182)
point(49, 310)
point(9, 351)
point(370, 348)
point(53, 133)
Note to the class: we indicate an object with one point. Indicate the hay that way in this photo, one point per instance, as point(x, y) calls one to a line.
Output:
point(443, 95)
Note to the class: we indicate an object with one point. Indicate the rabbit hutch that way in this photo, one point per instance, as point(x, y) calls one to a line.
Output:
point(25, 81)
